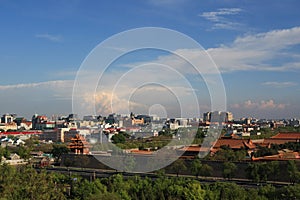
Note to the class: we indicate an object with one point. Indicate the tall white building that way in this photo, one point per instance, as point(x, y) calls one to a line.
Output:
point(218, 116)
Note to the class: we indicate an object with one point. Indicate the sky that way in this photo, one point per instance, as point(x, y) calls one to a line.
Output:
point(254, 44)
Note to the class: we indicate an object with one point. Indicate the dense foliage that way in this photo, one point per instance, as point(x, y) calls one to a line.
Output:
point(265, 133)
point(262, 171)
point(227, 154)
point(26, 183)
point(273, 150)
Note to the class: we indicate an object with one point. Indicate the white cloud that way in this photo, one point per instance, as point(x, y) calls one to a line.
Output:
point(106, 102)
point(51, 97)
point(181, 61)
point(47, 84)
point(251, 52)
point(219, 18)
point(261, 105)
point(279, 84)
point(136, 91)
point(281, 39)
point(217, 15)
point(53, 38)
point(258, 52)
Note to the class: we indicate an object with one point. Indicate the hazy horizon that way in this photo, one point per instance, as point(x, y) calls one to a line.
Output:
point(255, 46)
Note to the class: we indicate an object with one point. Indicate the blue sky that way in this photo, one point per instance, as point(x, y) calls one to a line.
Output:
point(255, 44)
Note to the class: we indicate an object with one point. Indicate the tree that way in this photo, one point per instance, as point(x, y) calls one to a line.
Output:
point(160, 173)
point(129, 163)
point(31, 142)
point(26, 183)
point(252, 172)
point(194, 191)
point(1, 153)
point(68, 162)
point(200, 133)
point(118, 138)
point(289, 192)
point(6, 174)
point(264, 151)
point(226, 191)
point(293, 171)
point(225, 154)
point(261, 171)
point(6, 152)
point(196, 167)
point(206, 170)
point(86, 190)
point(240, 155)
point(274, 169)
point(24, 152)
point(58, 150)
point(178, 166)
point(229, 169)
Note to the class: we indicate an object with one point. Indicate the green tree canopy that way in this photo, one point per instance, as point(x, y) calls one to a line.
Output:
point(196, 167)
point(58, 150)
point(118, 138)
point(229, 169)
point(293, 171)
point(178, 166)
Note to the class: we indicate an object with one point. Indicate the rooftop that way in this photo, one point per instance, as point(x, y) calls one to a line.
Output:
point(289, 135)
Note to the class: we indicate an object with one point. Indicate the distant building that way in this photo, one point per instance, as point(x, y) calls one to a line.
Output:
point(8, 123)
point(135, 121)
point(22, 123)
point(68, 135)
point(145, 134)
point(72, 117)
point(218, 116)
point(146, 118)
point(140, 119)
point(39, 122)
point(294, 122)
point(277, 124)
point(55, 135)
point(8, 118)
point(175, 123)
point(8, 126)
point(93, 118)
point(112, 119)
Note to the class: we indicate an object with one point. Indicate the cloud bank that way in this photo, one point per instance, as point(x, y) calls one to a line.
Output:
point(255, 52)
point(220, 19)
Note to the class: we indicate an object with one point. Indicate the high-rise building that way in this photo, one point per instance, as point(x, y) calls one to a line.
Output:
point(218, 116)
point(229, 116)
point(8, 118)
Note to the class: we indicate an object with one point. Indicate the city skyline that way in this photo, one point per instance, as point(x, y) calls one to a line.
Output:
point(254, 44)
point(205, 116)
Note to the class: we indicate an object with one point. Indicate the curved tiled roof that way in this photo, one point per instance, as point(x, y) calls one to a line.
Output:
point(289, 135)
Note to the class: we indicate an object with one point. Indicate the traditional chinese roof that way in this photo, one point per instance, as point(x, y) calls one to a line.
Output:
point(282, 155)
point(232, 143)
point(278, 140)
point(78, 142)
point(22, 132)
point(289, 135)
point(143, 152)
point(249, 144)
point(190, 148)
